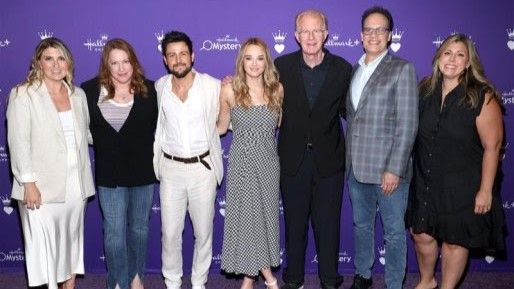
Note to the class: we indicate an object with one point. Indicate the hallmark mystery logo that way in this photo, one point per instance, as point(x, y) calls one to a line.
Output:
point(223, 43)
point(12, 256)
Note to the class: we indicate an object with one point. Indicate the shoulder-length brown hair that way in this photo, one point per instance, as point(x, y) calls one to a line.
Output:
point(473, 78)
point(137, 84)
point(270, 79)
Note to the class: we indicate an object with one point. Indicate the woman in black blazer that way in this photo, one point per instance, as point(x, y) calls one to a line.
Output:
point(123, 110)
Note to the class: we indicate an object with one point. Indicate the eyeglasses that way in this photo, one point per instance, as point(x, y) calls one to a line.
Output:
point(315, 32)
point(378, 31)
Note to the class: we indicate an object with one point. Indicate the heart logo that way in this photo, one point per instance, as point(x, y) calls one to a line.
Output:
point(382, 260)
point(222, 211)
point(489, 259)
point(159, 47)
point(279, 47)
point(396, 46)
point(510, 44)
point(8, 210)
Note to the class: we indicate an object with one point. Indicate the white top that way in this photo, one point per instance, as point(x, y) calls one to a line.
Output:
point(184, 125)
point(66, 118)
point(362, 75)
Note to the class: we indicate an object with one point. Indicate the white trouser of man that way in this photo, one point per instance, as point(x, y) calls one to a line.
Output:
point(190, 187)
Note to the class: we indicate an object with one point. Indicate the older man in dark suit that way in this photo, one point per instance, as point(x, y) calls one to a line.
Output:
point(382, 115)
point(311, 149)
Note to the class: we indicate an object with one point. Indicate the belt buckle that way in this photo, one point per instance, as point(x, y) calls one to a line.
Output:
point(309, 146)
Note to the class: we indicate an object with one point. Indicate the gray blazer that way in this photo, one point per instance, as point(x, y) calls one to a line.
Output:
point(37, 145)
point(211, 87)
point(382, 130)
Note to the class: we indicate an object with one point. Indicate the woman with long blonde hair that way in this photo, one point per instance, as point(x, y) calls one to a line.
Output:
point(252, 103)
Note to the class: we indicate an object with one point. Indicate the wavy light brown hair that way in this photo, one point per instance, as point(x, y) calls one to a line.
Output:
point(473, 78)
point(137, 82)
point(269, 79)
point(36, 74)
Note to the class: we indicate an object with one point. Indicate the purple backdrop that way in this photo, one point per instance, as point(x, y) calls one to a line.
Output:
point(217, 29)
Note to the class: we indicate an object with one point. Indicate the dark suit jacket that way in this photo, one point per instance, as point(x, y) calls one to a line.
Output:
point(123, 158)
point(322, 123)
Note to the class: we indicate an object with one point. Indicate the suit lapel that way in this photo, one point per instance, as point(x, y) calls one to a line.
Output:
point(50, 111)
point(349, 103)
point(301, 99)
point(373, 80)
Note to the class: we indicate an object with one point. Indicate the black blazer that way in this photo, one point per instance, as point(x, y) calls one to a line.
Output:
point(123, 158)
point(322, 123)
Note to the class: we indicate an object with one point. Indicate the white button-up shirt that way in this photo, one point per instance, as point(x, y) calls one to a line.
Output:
point(362, 76)
point(184, 124)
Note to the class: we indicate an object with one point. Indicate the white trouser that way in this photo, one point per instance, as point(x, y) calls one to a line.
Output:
point(191, 187)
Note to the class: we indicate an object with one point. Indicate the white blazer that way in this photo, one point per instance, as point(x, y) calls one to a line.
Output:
point(210, 106)
point(37, 145)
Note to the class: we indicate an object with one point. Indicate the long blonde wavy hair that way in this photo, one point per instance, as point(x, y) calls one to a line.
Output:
point(270, 79)
point(473, 78)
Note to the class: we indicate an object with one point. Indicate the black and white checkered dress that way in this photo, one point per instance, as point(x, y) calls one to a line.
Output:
point(251, 234)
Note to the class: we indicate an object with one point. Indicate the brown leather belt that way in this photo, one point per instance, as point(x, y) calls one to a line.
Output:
point(191, 160)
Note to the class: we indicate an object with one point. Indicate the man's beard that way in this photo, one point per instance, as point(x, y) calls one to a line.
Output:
point(183, 73)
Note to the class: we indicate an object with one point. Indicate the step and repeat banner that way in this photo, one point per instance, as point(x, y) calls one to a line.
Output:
point(218, 28)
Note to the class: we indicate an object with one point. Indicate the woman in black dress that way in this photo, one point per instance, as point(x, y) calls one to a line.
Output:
point(455, 200)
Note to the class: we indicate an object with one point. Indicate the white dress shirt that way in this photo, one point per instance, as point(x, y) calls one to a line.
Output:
point(362, 75)
point(184, 125)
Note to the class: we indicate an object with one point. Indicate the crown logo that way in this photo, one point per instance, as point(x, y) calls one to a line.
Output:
point(510, 33)
point(104, 36)
point(44, 35)
point(397, 35)
point(279, 37)
point(6, 201)
point(221, 202)
point(381, 251)
point(159, 36)
point(335, 37)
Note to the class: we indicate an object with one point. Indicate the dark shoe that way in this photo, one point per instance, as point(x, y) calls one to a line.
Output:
point(334, 284)
point(360, 282)
point(292, 285)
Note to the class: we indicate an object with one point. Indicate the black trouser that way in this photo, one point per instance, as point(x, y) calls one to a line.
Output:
point(305, 195)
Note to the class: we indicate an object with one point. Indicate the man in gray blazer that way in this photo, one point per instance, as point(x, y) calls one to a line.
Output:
point(382, 116)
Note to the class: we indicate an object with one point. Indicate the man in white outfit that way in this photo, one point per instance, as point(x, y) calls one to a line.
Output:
point(187, 158)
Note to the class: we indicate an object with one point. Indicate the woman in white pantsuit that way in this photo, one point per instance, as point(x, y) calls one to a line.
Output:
point(47, 133)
